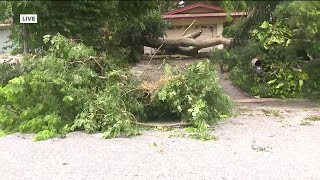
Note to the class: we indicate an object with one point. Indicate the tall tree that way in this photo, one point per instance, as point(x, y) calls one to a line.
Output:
point(94, 23)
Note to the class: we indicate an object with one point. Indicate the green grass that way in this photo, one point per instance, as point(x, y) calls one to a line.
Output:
point(313, 118)
point(271, 112)
point(2, 134)
point(305, 123)
point(308, 120)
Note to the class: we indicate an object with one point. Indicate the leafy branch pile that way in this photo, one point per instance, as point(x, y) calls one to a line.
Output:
point(68, 88)
point(193, 96)
point(61, 89)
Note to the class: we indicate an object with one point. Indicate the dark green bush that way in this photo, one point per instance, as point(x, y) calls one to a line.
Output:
point(282, 77)
point(312, 86)
point(134, 35)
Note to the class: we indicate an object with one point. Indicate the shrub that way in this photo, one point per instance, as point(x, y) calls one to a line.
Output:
point(282, 77)
point(311, 87)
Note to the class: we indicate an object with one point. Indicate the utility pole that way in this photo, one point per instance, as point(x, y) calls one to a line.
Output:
point(24, 33)
point(27, 19)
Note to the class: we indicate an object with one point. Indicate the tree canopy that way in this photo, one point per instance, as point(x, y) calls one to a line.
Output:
point(95, 23)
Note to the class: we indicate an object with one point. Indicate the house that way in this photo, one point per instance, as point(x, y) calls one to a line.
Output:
point(5, 31)
point(210, 19)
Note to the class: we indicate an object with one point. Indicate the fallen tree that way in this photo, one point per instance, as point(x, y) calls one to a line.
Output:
point(187, 45)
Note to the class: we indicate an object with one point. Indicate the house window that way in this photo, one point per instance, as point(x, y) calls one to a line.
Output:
point(212, 26)
point(203, 27)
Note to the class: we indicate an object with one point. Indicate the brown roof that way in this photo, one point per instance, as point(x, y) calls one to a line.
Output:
point(215, 8)
point(214, 12)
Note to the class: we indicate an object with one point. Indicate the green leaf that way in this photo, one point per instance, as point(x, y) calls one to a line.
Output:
point(265, 24)
point(279, 85)
point(46, 38)
point(272, 81)
point(67, 98)
point(300, 82)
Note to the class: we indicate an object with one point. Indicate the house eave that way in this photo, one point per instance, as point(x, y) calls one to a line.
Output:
point(194, 6)
point(204, 15)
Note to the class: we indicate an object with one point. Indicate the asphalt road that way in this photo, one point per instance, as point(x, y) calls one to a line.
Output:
point(247, 147)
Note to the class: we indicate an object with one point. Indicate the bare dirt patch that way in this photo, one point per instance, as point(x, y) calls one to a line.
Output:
point(153, 70)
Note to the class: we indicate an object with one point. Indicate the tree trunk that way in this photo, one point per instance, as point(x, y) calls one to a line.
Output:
point(186, 45)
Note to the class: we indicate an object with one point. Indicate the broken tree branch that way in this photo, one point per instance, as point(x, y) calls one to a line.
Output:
point(184, 33)
point(151, 59)
point(194, 35)
point(162, 125)
point(95, 60)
